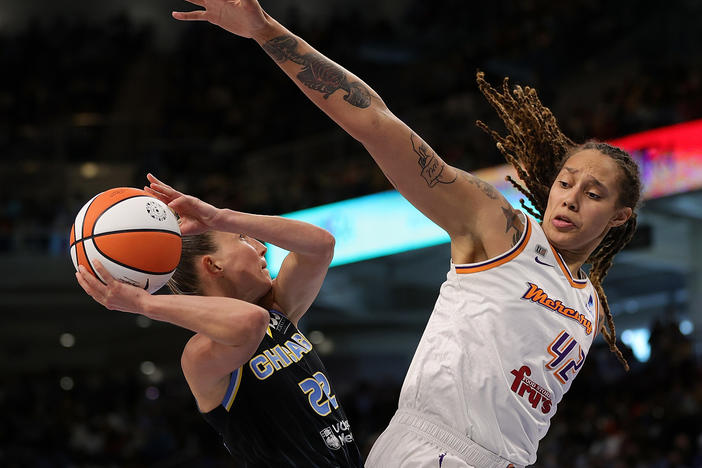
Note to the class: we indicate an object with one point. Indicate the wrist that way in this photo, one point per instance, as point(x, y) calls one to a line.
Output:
point(145, 306)
point(269, 29)
point(221, 220)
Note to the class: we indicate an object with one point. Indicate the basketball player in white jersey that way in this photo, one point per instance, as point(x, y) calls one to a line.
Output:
point(516, 316)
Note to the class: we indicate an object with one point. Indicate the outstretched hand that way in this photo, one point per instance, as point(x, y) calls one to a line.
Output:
point(241, 17)
point(196, 216)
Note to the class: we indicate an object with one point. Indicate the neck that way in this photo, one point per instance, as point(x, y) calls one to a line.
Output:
point(213, 289)
point(574, 260)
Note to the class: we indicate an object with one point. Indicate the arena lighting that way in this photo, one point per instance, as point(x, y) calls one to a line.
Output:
point(637, 340)
point(385, 223)
point(670, 158)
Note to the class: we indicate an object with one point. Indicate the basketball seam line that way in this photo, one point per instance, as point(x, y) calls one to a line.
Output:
point(92, 233)
point(122, 231)
point(130, 267)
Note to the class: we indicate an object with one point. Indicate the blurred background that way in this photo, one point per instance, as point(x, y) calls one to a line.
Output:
point(95, 94)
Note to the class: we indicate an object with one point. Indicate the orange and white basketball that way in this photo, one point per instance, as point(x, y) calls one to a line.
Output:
point(134, 235)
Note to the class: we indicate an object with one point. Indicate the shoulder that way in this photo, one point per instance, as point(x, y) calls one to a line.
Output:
point(498, 230)
point(208, 365)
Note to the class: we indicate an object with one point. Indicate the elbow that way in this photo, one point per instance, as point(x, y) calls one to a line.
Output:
point(257, 323)
point(327, 245)
point(372, 126)
point(250, 326)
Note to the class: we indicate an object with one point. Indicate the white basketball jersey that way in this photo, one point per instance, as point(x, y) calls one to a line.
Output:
point(505, 340)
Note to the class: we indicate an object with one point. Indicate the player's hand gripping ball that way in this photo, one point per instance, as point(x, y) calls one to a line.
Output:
point(134, 235)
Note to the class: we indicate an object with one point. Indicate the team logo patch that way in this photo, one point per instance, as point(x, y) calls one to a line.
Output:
point(277, 323)
point(337, 435)
point(330, 438)
point(538, 296)
point(590, 303)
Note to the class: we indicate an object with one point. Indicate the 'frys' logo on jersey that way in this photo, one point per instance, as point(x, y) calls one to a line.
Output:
point(537, 295)
point(523, 386)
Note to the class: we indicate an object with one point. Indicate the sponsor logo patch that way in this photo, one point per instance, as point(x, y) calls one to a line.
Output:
point(527, 388)
point(337, 435)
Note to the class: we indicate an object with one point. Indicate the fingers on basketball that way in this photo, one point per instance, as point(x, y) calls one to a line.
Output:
point(106, 276)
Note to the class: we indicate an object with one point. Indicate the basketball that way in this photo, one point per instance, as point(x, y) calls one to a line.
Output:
point(134, 235)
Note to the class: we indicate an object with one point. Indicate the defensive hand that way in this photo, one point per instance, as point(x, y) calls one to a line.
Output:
point(241, 17)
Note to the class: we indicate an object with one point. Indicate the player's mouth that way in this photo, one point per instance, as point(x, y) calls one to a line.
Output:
point(562, 222)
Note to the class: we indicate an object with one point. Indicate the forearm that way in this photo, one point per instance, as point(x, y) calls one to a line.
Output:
point(344, 97)
point(289, 234)
point(412, 167)
point(225, 320)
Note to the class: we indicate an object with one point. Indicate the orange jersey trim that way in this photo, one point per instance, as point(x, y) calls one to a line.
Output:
point(576, 283)
point(597, 313)
point(502, 259)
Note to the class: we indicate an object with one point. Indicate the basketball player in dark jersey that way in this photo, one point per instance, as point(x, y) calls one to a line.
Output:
point(255, 377)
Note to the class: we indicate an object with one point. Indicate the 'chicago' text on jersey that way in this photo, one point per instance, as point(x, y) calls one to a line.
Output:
point(280, 356)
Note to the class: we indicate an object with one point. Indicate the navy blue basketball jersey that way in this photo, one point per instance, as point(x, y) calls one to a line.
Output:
point(280, 409)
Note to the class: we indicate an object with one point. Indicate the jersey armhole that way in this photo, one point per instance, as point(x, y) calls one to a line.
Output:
point(233, 388)
point(513, 252)
point(598, 310)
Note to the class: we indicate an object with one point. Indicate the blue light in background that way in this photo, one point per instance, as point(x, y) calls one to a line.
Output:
point(372, 226)
point(367, 227)
point(686, 327)
point(637, 340)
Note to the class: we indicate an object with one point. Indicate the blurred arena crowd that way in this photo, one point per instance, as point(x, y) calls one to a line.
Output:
point(212, 114)
point(83, 102)
point(649, 418)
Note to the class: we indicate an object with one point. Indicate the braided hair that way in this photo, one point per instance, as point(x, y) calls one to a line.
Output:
point(537, 148)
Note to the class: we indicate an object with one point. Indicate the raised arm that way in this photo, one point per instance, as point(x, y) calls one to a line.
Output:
point(304, 268)
point(468, 208)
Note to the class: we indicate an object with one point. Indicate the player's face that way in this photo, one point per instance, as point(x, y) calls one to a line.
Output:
point(583, 202)
point(244, 266)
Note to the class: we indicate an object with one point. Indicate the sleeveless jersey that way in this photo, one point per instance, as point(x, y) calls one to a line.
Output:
point(280, 409)
point(505, 340)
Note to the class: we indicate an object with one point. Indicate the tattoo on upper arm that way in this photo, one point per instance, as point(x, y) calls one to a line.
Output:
point(513, 222)
point(432, 166)
point(488, 189)
point(318, 73)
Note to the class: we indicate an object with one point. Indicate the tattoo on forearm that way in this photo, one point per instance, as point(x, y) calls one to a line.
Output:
point(432, 167)
point(318, 72)
point(513, 222)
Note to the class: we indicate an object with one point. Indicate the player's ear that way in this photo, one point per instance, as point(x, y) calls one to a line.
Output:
point(210, 265)
point(620, 217)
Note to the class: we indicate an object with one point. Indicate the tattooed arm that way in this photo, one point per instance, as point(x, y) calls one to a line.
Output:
point(468, 208)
